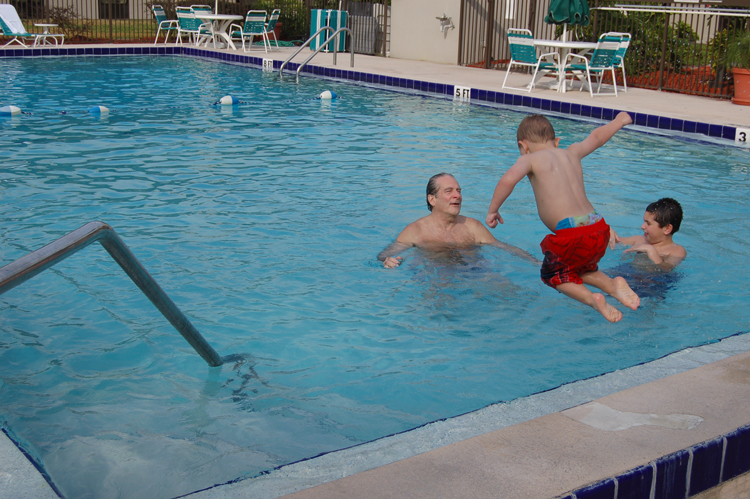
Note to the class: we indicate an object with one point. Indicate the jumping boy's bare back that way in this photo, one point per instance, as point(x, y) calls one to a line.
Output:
point(556, 176)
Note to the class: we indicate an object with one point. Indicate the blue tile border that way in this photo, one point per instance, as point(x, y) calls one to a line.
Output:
point(682, 474)
point(725, 132)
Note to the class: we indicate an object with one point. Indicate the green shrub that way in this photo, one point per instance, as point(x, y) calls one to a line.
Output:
point(69, 22)
point(738, 50)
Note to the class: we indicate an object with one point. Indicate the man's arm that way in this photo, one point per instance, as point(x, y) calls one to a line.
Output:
point(504, 187)
point(483, 236)
point(408, 238)
point(513, 250)
point(600, 136)
point(388, 255)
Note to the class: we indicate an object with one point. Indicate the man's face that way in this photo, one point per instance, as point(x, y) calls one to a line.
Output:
point(651, 230)
point(448, 198)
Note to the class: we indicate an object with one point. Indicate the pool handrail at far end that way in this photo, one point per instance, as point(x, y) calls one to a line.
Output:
point(330, 38)
point(36, 262)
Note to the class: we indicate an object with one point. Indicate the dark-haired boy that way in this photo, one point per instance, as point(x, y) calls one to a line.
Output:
point(581, 236)
point(660, 222)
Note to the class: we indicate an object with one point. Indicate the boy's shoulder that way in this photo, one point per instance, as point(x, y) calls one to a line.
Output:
point(675, 249)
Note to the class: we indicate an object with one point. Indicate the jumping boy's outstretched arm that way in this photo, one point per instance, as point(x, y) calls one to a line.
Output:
point(505, 187)
point(600, 136)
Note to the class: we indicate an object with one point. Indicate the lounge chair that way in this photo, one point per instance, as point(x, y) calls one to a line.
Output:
point(523, 53)
point(13, 27)
point(603, 59)
point(255, 25)
point(167, 25)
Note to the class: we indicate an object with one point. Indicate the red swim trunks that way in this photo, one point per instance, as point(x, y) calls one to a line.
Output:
point(572, 252)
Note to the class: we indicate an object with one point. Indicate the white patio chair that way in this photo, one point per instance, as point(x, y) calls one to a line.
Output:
point(165, 24)
point(523, 53)
point(603, 59)
point(255, 25)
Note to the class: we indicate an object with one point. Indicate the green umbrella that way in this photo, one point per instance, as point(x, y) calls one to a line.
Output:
point(573, 12)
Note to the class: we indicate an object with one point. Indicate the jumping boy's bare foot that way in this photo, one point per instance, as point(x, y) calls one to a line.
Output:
point(608, 311)
point(624, 294)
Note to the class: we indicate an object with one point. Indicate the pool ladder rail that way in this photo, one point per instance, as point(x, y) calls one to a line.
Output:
point(321, 47)
point(36, 262)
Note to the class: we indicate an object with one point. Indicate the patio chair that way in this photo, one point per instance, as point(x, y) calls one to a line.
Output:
point(255, 25)
point(523, 53)
point(603, 59)
point(271, 25)
point(620, 55)
point(206, 30)
point(166, 25)
point(190, 25)
point(12, 26)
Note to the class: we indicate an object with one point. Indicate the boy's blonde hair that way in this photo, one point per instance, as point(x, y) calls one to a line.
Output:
point(535, 128)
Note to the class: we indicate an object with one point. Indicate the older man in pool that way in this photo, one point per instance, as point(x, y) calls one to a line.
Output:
point(444, 228)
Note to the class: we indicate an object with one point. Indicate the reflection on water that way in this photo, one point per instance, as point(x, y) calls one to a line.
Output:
point(449, 276)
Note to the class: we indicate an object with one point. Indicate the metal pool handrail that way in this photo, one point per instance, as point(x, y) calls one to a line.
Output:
point(309, 40)
point(351, 47)
point(32, 264)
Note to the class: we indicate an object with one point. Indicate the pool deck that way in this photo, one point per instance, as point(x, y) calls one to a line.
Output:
point(685, 416)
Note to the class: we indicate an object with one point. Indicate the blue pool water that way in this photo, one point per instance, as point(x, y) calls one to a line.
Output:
point(262, 222)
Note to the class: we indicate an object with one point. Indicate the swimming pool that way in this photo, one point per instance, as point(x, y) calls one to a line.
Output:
point(262, 222)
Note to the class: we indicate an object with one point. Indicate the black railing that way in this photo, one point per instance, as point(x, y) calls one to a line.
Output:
point(131, 21)
point(675, 46)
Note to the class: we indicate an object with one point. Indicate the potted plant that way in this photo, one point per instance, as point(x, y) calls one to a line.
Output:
point(738, 58)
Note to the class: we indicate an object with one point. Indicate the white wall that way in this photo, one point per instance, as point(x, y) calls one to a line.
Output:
point(416, 35)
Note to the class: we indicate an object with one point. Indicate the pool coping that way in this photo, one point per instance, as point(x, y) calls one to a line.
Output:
point(738, 438)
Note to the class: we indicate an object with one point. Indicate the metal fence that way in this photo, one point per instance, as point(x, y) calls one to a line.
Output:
point(131, 21)
point(675, 46)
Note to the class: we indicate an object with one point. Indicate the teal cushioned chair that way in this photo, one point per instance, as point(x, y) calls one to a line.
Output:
point(523, 54)
point(166, 25)
point(603, 59)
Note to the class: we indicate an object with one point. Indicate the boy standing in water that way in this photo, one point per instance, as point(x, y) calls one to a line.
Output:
point(580, 239)
point(661, 220)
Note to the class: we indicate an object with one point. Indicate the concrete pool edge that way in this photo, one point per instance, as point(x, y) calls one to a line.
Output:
point(388, 451)
point(725, 132)
point(552, 455)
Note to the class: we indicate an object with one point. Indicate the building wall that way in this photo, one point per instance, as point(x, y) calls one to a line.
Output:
point(416, 34)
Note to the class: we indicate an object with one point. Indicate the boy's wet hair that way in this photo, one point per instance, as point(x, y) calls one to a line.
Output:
point(535, 128)
point(666, 211)
point(432, 187)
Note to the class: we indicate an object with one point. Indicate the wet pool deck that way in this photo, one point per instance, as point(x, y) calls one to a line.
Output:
point(677, 416)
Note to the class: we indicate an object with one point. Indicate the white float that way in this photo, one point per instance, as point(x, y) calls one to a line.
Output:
point(327, 95)
point(228, 100)
point(9, 111)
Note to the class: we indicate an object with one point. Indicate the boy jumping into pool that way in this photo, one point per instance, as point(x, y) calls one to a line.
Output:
point(661, 220)
point(580, 239)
